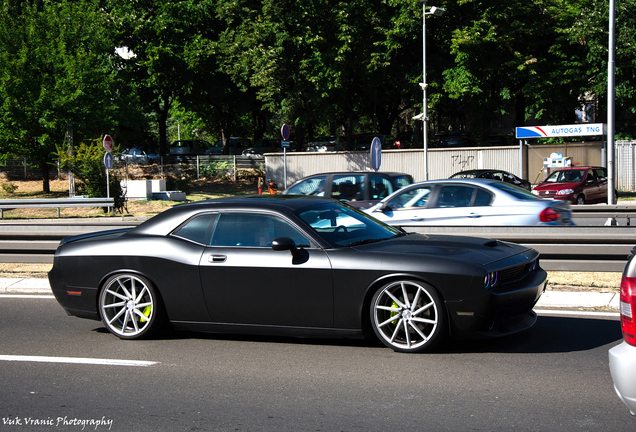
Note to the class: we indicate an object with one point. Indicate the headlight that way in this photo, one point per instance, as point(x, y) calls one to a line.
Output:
point(535, 192)
point(565, 192)
point(491, 280)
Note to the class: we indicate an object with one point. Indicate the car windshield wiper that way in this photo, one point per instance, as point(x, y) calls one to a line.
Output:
point(361, 242)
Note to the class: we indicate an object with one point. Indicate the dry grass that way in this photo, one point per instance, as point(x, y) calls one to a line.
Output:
point(199, 189)
point(585, 281)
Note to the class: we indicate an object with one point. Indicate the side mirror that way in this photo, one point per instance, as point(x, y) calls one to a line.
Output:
point(285, 243)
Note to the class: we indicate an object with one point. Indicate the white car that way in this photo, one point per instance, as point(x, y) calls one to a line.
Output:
point(327, 143)
point(469, 202)
point(622, 358)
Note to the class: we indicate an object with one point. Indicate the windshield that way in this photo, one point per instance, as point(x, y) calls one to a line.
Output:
point(341, 225)
point(568, 176)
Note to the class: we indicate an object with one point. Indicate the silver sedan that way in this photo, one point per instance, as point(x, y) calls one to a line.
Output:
point(469, 202)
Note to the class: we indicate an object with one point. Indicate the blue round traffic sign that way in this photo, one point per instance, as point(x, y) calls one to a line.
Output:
point(108, 160)
point(376, 153)
point(284, 131)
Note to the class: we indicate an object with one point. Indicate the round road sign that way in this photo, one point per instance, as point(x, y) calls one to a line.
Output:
point(108, 143)
point(284, 131)
point(108, 160)
point(376, 153)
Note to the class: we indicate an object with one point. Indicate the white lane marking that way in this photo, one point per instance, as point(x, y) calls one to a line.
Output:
point(77, 360)
point(579, 313)
point(24, 296)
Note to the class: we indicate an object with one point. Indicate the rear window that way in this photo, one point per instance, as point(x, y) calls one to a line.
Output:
point(403, 180)
point(515, 191)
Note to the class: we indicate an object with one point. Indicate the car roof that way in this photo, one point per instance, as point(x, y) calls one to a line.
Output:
point(168, 220)
point(479, 171)
point(471, 181)
point(577, 168)
point(355, 173)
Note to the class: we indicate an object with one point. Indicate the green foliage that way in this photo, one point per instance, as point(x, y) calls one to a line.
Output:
point(9, 188)
point(86, 162)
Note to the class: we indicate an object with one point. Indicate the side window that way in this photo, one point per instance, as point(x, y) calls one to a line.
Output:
point(495, 175)
point(311, 186)
point(402, 181)
point(482, 198)
point(455, 196)
point(197, 229)
point(348, 187)
point(380, 187)
point(253, 230)
point(410, 199)
point(600, 173)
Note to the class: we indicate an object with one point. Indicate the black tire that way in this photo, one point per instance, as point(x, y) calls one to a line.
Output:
point(130, 306)
point(580, 200)
point(412, 325)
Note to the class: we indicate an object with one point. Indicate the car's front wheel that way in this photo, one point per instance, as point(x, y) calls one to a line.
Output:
point(129, 306)
point(580, 200)
point(408, 316)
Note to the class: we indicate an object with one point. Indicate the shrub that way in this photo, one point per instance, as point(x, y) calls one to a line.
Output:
point(87, 165)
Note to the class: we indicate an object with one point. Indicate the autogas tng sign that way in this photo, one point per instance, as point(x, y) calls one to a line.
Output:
point(588, 129)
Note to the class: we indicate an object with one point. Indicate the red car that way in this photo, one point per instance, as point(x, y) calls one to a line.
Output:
point(578, 185)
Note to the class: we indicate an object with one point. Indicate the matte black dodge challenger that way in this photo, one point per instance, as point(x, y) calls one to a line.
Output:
point(301, 266)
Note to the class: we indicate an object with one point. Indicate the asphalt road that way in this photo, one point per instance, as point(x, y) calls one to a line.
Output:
point(552, 377)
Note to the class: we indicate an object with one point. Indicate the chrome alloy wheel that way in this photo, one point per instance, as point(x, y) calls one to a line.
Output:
point(128, 306)
point(407, 316)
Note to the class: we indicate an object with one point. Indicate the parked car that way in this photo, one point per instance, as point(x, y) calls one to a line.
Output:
point(406, 140)
point(453, 139)
point(363, 142)
point(262, 146)
point(578, 185)
point(469, 203)
point(134, 155)
point(622, 358)
point(359, 189)
point(236, 144)
point(295, 266)
point(189, 147)
point(495, 175)
point(497, 140)
point(327, 143)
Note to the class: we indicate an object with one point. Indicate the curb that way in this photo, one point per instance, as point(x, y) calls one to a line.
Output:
point(549, 299)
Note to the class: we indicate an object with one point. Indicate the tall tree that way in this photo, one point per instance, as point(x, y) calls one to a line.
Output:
point(56, 73)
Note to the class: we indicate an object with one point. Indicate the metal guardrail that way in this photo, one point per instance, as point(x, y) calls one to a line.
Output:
point(575, 248)
point(10, 204)
point(35, 241)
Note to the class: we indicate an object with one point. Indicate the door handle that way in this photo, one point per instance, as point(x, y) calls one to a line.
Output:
point(217, 258)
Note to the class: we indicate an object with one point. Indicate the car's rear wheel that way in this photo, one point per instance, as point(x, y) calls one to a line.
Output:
point(129, 306)
point(408, 316)
point(580, 200)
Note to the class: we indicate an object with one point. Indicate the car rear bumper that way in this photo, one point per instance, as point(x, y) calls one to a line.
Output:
point(622, 364)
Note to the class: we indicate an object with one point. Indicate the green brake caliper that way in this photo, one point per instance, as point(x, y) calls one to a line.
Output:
point(392, 313)
point(146, 312)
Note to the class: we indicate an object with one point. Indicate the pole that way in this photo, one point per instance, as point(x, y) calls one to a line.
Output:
point(610, 105)
point(424, 85)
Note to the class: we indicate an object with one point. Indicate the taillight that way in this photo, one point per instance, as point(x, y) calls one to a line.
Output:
point(549, 215)
point(398, 144)
point(628, 306)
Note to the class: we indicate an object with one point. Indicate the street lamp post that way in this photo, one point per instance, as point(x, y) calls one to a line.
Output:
point(424, 116)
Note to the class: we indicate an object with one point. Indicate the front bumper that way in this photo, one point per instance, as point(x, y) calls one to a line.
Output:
point(490, 315)
point(622, 364)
